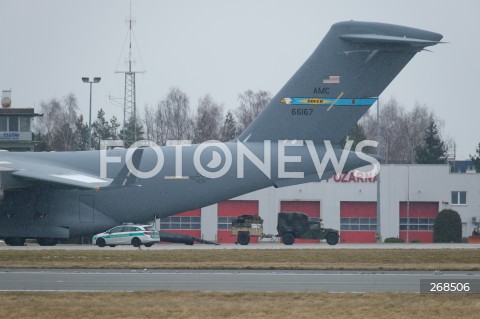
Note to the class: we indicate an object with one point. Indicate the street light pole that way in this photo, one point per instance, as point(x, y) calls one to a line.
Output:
point(87, 80)
point(90, 120)
point(379, 229)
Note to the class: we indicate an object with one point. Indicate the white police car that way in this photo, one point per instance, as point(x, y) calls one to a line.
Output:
point(135, 235)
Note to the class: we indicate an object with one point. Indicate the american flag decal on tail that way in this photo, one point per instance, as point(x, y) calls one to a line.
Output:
point(332, 79)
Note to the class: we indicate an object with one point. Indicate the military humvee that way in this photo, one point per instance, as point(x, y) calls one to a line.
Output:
point(297, 225)
point(290, 226)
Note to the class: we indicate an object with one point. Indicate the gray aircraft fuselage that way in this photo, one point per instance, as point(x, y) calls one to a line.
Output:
point(40, 207)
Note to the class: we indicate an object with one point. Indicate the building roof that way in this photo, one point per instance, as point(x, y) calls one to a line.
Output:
point(18, 111)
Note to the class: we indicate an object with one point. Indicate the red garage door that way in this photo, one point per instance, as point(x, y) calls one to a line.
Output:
point(311, 208)
point(358, 222)
point(418, 218)
point(187, 223)
point(229, 210)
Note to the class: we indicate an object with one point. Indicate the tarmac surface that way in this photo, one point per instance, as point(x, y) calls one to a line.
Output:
point(225, 281)
point(228, 280)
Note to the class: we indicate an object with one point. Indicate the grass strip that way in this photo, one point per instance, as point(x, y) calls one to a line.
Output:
point(309, 259)
point(212, 305)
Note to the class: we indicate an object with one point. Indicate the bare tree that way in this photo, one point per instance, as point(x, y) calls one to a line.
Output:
point(401, 132)
point(156, 128)
point(251, 104)
point(45, 125)
point(58, 125)
point(208, 120)
point(171, 119)
point(179, 118)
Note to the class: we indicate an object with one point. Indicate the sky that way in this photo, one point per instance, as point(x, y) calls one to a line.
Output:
point(224, 47)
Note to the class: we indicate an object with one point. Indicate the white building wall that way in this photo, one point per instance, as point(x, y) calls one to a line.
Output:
point(471, 184)
point(398, 183)
point(209, 222)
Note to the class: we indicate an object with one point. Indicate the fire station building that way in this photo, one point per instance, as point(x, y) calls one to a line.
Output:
point(410, 198)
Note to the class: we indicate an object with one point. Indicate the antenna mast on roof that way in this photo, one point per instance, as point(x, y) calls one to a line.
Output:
point(130, 100)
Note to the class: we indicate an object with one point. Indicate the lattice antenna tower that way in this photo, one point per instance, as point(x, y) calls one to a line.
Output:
point(130, 99)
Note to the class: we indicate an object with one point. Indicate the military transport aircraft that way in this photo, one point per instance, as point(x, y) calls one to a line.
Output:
point(50, 196)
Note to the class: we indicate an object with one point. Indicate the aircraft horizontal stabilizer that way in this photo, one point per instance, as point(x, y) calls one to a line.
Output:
point(388, 40)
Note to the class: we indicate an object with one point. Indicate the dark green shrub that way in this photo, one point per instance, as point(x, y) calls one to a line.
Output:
point(393, 240)
point(415, 241)
point(447, 227)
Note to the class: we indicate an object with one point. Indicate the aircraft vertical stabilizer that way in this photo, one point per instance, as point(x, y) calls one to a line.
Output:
point(337, 84)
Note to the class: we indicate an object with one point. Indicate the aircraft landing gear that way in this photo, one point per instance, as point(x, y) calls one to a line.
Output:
point(15, 241)
point(47, 241)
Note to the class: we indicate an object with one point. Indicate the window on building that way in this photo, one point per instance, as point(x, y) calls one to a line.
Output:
point(225, 223)
point(459, 198)
point(3, 123)
point(357, 223)
point(13, 124)
point(421, 224)
point(180, 223)
point(24, 124)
